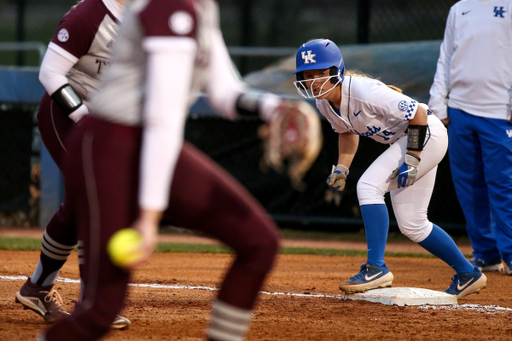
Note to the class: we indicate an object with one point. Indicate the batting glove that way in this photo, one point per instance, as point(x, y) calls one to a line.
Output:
point(408, 171)
point(338, 177)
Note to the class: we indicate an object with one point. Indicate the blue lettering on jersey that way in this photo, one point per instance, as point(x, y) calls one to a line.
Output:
point(386, 134)
point(370, 132)
point(498, 12)
point(373, 131)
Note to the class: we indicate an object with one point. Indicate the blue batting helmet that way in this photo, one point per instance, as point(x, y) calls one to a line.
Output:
point(320, 54)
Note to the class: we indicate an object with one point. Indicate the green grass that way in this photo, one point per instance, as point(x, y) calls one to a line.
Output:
point(191, 248)
point(20, 244)
point(393, 237)
point(30, 244)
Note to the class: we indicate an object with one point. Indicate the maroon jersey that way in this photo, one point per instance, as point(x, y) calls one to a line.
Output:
point(193, 19)
point(86, 34)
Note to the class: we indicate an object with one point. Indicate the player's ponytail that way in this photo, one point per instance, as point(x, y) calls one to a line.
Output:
point(355, 73)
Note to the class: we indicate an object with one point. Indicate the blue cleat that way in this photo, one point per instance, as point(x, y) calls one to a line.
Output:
point(467, 283)
point(370, 277)
point(509, 270)
point(486, 267)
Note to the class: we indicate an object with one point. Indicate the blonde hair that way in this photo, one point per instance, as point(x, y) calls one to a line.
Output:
point(356, 73)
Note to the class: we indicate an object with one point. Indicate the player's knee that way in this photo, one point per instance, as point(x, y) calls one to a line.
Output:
point(259, 255)
point(369, 193)
point(415, 231)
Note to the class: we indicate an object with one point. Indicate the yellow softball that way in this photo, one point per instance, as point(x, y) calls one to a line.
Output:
point(124, 247)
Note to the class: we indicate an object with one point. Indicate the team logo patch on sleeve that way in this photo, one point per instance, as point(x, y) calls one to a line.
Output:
point(181, 23)
point(63, 35)
point(402, 105)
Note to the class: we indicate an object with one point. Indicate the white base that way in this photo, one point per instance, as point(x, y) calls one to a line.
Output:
point(405, 296)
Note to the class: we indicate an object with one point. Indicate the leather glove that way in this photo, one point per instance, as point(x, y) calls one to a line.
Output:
point(293, 135)
point(408, 171)
point(338, 177)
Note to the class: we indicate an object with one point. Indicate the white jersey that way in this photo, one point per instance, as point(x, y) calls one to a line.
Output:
point(122, 97)
point(370, 108)
point(474, 70)
point(166, 52)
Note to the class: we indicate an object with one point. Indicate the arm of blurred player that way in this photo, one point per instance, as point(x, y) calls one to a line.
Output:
point(227, 93)
point(55, 66)
point(169, 76)
point(440, 88)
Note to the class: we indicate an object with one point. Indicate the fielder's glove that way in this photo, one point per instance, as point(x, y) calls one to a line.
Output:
point(338, 178)
point(294, 135)
point(408, 171)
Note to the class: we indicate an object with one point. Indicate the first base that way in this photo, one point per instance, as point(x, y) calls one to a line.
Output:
point(405, 296)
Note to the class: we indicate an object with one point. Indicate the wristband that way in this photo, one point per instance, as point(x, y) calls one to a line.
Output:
point(413, 156)
point(247, 103)
point(416, 137)
point(67, 98)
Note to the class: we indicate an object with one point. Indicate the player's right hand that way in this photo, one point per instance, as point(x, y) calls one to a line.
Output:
point(338, 178)
point(408, 171)
point(147, 225)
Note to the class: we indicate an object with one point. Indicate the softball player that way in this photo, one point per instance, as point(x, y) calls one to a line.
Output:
point(472, 94)
point(128, 165)
point(358, 106)
point(77, 55)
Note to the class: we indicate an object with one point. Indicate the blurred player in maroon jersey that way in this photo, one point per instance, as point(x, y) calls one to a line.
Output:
point(77, 55)
point(129, 166)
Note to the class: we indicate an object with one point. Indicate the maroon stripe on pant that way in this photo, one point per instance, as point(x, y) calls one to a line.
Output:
point(102, 184)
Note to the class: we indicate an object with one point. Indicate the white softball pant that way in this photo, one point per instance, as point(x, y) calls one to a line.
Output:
point(410, 204)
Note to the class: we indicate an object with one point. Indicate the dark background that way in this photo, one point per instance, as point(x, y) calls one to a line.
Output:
point(268, 23)
point(235, 145)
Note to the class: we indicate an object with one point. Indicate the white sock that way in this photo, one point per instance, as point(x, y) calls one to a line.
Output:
point(228, 323)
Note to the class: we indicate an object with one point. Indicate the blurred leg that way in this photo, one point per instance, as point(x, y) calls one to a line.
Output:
point(102, 186)
point(206, 198)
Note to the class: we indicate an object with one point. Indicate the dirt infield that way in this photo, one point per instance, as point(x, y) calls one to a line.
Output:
point(302, 303)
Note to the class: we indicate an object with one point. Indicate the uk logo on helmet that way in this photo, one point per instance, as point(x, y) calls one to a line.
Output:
point(309, 57)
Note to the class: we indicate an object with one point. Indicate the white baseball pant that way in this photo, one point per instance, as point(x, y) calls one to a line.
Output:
point(410, 204)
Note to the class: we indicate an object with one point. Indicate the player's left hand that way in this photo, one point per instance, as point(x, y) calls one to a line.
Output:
point(408, 171)
point(294, 135)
